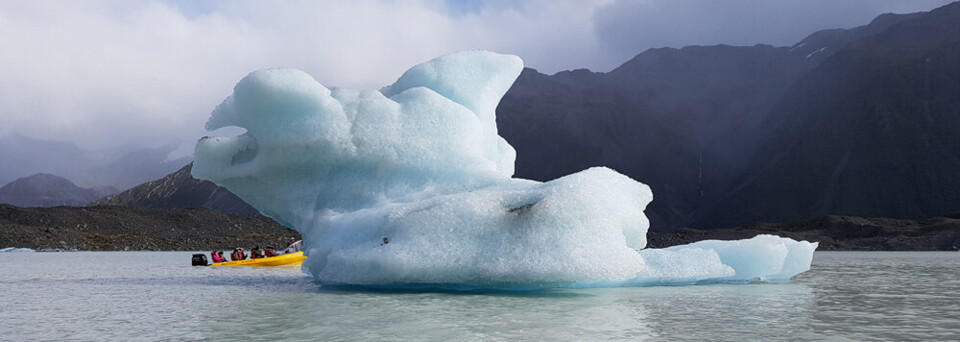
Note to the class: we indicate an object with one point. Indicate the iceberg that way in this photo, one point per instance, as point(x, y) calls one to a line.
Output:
point(16, 250)
point(410, 186)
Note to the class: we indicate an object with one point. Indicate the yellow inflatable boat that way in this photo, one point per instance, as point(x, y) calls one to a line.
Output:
point(280, 260)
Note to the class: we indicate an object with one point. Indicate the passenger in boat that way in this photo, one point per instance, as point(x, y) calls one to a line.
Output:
point(238, 254)
point(216, 256)
point(270, 252)
point(222, 258)
point(295, 246)
point(256, 253)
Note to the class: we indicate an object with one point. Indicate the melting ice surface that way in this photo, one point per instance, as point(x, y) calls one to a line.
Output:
point(411, 186)
point(16, 250)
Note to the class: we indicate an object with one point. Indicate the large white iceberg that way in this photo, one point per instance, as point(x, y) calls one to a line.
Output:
point(411, 186)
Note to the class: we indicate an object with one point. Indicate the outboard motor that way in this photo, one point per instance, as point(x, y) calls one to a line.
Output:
point(200, 260)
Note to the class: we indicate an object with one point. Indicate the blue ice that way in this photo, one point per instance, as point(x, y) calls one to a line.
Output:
point(410, 185)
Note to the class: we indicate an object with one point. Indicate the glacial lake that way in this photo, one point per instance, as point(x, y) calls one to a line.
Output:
point(158, 296)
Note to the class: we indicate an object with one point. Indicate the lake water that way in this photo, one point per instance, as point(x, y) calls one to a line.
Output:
point(157, 296)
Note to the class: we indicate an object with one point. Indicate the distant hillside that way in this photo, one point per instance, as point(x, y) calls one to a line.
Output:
point(180, 190)
point(873, 131)
point(44, 190)
point(114, 228)
point(728, 136)
point(128, 228)
point(21, 156)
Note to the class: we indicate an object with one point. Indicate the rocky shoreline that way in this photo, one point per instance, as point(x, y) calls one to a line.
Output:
point(119, 228)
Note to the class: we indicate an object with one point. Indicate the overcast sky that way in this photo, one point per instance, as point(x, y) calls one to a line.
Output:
point(144, 73)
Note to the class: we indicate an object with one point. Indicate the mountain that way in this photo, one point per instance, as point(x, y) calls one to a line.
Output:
point(179, 190)
point(45, 190)
point(706, 126)
point(871, 132)
point(22, 155)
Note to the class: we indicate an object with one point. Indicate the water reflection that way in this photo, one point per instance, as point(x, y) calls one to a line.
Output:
point(394, 316)
point(158, 296)
point(761, 311)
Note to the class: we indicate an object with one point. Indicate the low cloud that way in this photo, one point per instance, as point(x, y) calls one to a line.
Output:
point(145, 73)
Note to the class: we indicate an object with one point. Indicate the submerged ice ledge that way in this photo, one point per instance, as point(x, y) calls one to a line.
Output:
point(411, 186)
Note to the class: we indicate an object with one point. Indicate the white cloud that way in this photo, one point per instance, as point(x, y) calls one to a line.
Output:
point(101, 73)
point(113, 72)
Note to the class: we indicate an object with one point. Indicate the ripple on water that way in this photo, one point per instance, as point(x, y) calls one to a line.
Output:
point(149, 296)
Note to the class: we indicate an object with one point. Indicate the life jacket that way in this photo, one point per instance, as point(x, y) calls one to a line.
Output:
point(270, 252)
point(255, 254)
point(216, 258)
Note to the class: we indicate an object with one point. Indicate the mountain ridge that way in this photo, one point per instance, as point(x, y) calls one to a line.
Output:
point(121, 168)
point(46, 190)
point(872, 129)
point(695, 123)
point(179, 190)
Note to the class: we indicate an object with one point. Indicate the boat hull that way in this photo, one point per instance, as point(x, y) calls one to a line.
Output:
point(280, 260)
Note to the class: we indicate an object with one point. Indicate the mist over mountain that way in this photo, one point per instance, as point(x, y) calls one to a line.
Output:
point(22, 156)
point(855, 121)
point(845, 122)
point(45, 190)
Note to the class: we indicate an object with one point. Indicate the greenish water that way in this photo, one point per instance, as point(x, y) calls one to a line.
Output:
point(157, 296)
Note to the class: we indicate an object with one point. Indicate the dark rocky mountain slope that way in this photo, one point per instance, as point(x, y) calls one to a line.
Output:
point(180, 190)
point(44, 190)
point(698, 124)
point(873, 131)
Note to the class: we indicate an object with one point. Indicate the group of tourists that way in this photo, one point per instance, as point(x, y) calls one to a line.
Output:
point(256, 253)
